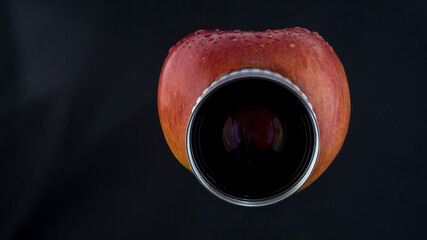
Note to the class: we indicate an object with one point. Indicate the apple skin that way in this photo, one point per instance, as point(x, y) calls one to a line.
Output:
point(298, 54)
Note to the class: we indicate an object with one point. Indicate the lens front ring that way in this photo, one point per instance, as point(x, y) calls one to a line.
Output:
point(269, 76)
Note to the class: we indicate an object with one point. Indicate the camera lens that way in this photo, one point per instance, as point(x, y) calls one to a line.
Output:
point(251, 139)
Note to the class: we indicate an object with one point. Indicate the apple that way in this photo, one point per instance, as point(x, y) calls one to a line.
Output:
point(298, 54)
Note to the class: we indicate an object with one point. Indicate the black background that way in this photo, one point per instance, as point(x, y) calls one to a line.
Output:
point(83, 155)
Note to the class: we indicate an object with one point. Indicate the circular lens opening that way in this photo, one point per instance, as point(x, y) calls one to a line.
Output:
point(251, 139)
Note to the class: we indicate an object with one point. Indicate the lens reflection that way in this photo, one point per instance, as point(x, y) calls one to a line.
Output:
point(251, 133)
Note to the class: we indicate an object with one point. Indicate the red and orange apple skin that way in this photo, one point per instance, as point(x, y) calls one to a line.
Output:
point(298, 54)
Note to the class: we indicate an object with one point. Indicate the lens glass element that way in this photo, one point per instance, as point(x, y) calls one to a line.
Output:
point(252, 133)
point(251, 138)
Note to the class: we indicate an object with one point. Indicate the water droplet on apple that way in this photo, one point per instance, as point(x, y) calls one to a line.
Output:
point(199, 32)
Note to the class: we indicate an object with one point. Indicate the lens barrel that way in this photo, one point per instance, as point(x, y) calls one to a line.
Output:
point(252, 138)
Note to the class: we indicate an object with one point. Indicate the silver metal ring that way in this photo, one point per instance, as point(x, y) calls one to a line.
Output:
point(265, 75)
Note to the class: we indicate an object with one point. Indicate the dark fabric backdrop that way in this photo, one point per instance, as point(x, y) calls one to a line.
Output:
point(83, 155)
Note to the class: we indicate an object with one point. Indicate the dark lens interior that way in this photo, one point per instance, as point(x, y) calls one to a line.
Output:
point(252, 138)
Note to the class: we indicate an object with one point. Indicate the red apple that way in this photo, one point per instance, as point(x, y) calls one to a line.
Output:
point(298, 54)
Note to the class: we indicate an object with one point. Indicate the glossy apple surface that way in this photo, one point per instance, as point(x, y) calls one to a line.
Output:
point(298, 54)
